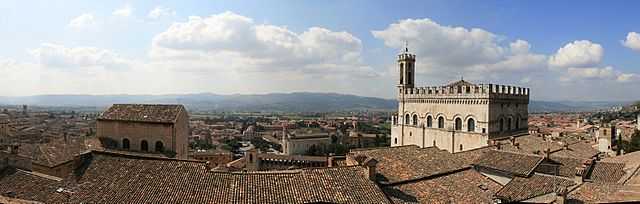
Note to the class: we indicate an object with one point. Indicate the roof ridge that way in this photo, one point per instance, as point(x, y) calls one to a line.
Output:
point(123, 154)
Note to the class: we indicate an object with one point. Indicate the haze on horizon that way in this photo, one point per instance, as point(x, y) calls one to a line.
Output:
point(569, 50)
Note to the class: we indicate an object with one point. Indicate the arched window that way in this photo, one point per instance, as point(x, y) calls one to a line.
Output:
point(144, 146)
point(460, 147)
point(395, 120)
point(509, 124)
point(395, 140)
point(501, 124)
point(415, 120)
point(458, 124)
point(434, 143)
point(429, 121)
point(471, 125)
point(401, 73)
point(441, 122)
point(159, 146)
point(125, 143)
point(406, 119)
point(517, 123)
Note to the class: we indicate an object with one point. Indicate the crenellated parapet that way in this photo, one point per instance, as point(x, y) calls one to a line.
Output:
point(465, 90)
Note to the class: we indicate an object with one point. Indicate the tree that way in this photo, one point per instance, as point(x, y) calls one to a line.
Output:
point(634, 144)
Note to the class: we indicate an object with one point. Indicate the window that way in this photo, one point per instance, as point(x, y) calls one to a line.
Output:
point(159, 146)
point(125, 143)
point(401, 73)
point(406, 119)
point(517, 123)
point(509, 124)
point(458, 124)
point(484, 130)
point(459, 89)
point(434, 143)
point(471, 125)
point(395, 140)
point(144, 146)
point(460, 147)
point(429, 121)
point(415, 120)
point(441, 122)
point(395, 120)
point(410, 134)
point(501, 124)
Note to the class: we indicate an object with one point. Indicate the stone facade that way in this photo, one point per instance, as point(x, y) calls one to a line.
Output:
point(299, 141)
point(607, 139)
point(458, 116)
point(145, 132)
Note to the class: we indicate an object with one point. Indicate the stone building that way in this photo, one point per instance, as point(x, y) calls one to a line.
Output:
point(299, 141)
point(146, 128)
point(4, 128)
point(458, 116)
point(607, 138)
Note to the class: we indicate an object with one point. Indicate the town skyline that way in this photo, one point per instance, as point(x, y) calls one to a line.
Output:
point(168, 48)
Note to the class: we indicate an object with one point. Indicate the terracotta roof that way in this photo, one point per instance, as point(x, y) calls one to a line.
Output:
point(471, 156)
point(402, 163)
point(509, 162)
point(118, 178)
point(604, 193)
point(143, 113)
point(521, 188)
point(26, 185)
point(606, 172)
point(566, 166)
point(57, 152)
point(467, 186)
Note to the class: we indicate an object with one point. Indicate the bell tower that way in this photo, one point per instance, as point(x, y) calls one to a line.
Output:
point(406, 65)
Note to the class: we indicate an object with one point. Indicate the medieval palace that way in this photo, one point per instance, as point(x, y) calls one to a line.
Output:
point(458, 116)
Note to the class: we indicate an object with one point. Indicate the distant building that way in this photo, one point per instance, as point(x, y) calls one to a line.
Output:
point(214, 157)
point(4, 127)
point(458, 116)
point(638, 122)
point(146, 128)
point(607, 139)
point(299, 141)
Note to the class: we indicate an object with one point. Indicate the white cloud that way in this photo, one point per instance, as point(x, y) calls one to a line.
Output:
point(83, 21)
point(160, 11)
point(592, 72)
point(125, 11)
point(259, 48)
point(453, 51)
point(632, 41)
point(580, 53)
point(58, 56)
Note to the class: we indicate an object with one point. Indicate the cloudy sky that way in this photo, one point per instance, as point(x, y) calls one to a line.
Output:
point(562, 50)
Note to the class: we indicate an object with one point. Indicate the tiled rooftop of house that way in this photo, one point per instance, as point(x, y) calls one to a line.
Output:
point(523, 188)
point(402, 163)
point(26, 185)
point(606, 172)
point(605, 193)
point(142, 113)
point(123, 178)
point(509, 162)
point(465, 186)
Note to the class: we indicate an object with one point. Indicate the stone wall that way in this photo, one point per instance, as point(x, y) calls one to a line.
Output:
point(452, 141)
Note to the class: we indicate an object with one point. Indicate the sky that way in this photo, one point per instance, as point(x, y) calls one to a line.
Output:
point(561, 50)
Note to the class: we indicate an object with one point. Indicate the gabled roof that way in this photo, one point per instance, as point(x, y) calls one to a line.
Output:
point(509, 162)
point(159, 113)
point(461, 82)
point(398, 164)
point(522, 188)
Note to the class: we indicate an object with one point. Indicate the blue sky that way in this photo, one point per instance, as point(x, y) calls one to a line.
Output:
point(118, 47)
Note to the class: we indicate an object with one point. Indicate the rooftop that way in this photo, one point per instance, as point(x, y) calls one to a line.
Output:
point(160, 113)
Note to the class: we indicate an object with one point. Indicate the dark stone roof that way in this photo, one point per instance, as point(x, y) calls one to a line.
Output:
point(606, 172)
point(396, 164)
point(461, 82)
point(159, 113)
point(509, 162)
point(108, 177)
point(466, 186)
point(523, 188)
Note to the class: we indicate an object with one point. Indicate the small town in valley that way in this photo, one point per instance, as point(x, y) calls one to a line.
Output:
point(448, 112)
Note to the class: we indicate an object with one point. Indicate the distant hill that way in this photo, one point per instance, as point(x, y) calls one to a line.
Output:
point(274, 102)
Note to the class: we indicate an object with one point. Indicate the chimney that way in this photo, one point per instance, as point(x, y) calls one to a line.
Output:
point(330, 160)
point(370, 164)
point(580, 172)
point(561, 194)
point(547, 153)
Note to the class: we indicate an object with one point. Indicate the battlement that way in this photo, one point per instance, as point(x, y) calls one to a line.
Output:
point(406, 56)
point(467, 90)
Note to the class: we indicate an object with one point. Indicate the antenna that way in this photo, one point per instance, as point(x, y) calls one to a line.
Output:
point(406, 46)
